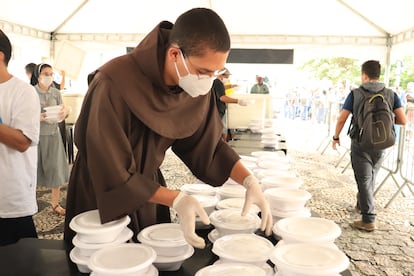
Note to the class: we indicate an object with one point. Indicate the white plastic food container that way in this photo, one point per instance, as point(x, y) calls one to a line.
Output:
point(207, 202)
point(129, 259)
point(230, 191)
point(243, 248)
point(167, 239)
point(307, 230)
point(273, 165)
point(262, 173)
point(281, 182)
point(87, 249)
point(236, 269)
point(287, 199)
point(80, 260)
point(164, 263)
point(304, 259)
point(89, 228)
point(198, 189)
point(236, 203)
point(230, 221)
point(52, 112)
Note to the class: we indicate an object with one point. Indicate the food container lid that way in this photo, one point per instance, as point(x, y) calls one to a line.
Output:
point(248, 158)
point(205, 200)
point(303, 212)
point(309, 259)
point(249, 164)
point(264, 153)
point(124, 236)
point(239, 269)
point(162, 235)
point(270, 164)
point(288, 194)
point(90, 223)
point(243, 247)
point(232, 219)
point(171, 259)
point(52, 107)
point(236, 203)
point(198, 188)
point(123, 258)
point(282, 180)
point(230, 190)
point(316, 229)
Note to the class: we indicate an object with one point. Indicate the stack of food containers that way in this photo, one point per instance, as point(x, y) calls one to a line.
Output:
point(287, 202)
point(230, 221)
point(304, 259)
point(167, 239)
point(124, 260)
point(269, 138)
point(244, 248)
point(92, 236)
point(239, 269)
point(205, 194)
point(314, 236)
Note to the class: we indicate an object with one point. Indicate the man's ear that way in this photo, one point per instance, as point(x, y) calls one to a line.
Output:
point(172, 54)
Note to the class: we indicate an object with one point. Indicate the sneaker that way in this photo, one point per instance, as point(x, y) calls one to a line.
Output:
point(359, 224)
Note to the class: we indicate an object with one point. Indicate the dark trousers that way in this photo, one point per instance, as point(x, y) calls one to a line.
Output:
point(13, 229)
point(366, 165)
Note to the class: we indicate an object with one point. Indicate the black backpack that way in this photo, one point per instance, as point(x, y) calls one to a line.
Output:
point(373, 119)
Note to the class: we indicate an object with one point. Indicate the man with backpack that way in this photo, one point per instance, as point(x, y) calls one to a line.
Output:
point(375, 109)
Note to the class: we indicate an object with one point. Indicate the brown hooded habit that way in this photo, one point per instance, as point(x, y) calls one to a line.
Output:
point(128, 120)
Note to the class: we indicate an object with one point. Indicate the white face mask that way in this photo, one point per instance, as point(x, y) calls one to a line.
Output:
point(46, 80)
point(225, 80)
point(193, 84)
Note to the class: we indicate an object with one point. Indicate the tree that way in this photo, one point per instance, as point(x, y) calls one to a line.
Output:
point(407, 72)
point(335, 69)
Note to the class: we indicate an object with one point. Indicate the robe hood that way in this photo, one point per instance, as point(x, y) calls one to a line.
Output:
point(138, 77)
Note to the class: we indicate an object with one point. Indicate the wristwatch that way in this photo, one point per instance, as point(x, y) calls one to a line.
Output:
point(335, 138)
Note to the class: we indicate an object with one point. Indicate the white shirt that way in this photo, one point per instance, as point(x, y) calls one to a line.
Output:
point(19, 109)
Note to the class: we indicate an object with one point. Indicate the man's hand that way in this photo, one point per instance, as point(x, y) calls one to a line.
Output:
point(254, 195)
point(187, 208)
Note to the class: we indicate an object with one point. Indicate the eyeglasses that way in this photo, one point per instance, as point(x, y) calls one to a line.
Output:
point(203, 73)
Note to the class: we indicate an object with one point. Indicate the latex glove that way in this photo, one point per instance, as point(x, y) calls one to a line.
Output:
point(187, 208)
point(243, 102)
point(43, 118)
point(64, 112)
point(254, 195)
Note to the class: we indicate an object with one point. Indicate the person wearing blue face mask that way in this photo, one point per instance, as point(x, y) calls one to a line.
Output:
point(137, 107)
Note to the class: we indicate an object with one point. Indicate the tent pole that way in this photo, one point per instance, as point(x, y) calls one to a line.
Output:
point(388, 61)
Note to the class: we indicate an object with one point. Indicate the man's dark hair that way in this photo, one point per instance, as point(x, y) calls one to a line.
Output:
point(372, 69)
point(30, 67)
point(5, 47)
point(200, 29)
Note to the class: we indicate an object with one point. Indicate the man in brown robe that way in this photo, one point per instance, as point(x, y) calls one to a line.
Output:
point(139, 105)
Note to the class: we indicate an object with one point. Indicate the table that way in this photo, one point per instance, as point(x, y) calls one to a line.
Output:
point(51, 258)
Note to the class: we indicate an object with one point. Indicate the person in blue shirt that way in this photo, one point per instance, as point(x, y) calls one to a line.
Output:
point(366, 163)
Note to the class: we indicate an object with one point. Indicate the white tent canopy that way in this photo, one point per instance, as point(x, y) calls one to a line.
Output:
point(103, 28)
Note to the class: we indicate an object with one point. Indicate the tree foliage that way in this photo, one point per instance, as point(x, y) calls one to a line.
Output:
point(407, 72)
point(335, 69)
